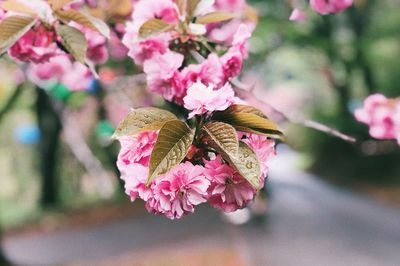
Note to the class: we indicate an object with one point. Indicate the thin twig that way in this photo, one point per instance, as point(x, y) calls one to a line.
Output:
point(82, 152)
point(247, 94)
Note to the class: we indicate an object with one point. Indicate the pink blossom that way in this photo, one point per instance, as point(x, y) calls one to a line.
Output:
point(60, 69)
point(264, 149)
point(379, 113)
point(232, 63)
point(230, 5)
point(179, 191)
point(330, 6)
point(240, 39)
point(161, 9)
point(142, 50)
point(97, 44)
point(297, 15)
point(77, 78)
point(163, 76)
point(135, 178)
point(208, 72)
point(203, 99)
point(37, 45)
point(139, 49)
point(228, 191)
point(136, 149)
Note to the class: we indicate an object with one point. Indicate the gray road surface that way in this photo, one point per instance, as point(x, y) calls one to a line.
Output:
point(309, 223)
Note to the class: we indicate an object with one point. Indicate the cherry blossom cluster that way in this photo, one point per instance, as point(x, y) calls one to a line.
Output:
point(49, 63)
point(323, 7)
point(193, 69)
point(169, 70)
point(189, 184)
point(382, 115)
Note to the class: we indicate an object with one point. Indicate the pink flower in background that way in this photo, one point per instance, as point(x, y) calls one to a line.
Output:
point(297, 15)
point(228, 191)
point(163, 76)
point(203, 99)
point(264, 149)
point(179, 191)
point(230, 5)
point(240, 39)
point(325, 7)
point(379, 113)
point(37, 46)
point(60, 69)
point(77, 78)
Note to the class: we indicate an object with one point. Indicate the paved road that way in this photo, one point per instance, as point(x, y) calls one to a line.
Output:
point(309, 223)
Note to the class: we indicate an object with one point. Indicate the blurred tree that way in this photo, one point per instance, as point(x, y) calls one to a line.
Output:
point(50, 128)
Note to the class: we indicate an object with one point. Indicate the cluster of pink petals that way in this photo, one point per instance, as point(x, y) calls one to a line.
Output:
point(202, 99)
point(229, 191)
point(225, 33)
point(164, 68)
point(264, 149)
point(37, 46)
point(382, 115)
point(60, 70)
point(330, 6)
point(97, 51)
point(323, 7)
point(180, 190)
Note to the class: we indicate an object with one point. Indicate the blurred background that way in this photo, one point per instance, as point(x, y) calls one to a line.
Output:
point(327, 202)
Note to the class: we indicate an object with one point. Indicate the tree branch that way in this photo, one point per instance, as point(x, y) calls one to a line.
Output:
point(246, 93)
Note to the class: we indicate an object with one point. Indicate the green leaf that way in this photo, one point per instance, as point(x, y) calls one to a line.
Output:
point(191, 8)
point(14, 6)
point(59, 4)
point(223, 138)
point(249, 119)
point(172, 146)
point(181, 6)
point(247, 164)
point(143, 119)
point(13, 28)
point(85, 20)
point(154, 26)
point(215, 17)
point(74, 41)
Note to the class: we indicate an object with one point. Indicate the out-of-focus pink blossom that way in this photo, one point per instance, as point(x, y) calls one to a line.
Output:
point(325, 7)
point(60, 69)
point(37, 46)
point(240, 39)
point(228, 191)
point(230, 5)
point(201, 99)
point(264, 149)
point(179, 191)
point(297, 15)
point(163, 75)
point(379, 113)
